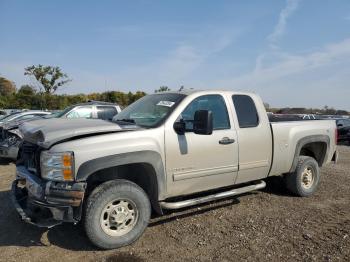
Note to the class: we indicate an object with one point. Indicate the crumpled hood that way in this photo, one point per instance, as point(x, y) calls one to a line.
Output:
point(50, 131)
point(15, 124)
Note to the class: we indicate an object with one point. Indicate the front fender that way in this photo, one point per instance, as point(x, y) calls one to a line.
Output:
point(150, 157)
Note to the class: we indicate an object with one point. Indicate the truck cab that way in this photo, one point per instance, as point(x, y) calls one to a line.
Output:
point(238, 125)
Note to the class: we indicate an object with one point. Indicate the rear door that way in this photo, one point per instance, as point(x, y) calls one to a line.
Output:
point(255, 138)
point(200, 162)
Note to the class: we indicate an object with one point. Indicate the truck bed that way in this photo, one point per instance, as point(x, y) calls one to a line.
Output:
point(286, 134)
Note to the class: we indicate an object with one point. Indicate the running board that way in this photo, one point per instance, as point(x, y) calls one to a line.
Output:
point(201, 200)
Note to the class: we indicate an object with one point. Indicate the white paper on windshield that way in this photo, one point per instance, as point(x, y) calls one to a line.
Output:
point(165, 103)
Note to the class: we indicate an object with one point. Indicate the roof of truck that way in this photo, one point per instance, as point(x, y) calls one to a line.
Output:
point(93, 102)
point(193, 91)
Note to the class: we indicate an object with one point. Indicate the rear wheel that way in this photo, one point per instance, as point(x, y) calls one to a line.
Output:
point(117, 213)
point(305, 179)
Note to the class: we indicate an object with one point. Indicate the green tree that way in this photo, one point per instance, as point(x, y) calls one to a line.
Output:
point(27, 90)
point(49, 77)
point(6, 87)
point(25, 98)
point(162, 89)
point(139, 94)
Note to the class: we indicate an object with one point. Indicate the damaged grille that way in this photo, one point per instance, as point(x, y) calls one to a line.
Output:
point(2, 134)
point(30, 157)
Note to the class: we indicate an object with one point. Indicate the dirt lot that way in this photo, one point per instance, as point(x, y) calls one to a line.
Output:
point(269, 225)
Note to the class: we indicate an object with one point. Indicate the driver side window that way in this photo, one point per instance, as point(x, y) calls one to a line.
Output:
point(213, 103)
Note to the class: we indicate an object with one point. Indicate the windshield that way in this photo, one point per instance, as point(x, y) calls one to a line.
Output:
point(62, 113)
point(53, 115)
point(10, 117)
point(151, 110)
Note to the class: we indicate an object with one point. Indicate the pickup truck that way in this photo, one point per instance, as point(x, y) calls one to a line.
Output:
point(166, 151)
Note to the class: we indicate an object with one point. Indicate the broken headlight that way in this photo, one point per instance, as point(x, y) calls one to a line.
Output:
point(57, 166)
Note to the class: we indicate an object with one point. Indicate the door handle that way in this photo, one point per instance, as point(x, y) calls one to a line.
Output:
point(226, 141)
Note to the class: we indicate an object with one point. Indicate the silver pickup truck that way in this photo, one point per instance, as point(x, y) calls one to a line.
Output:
point(165, 151)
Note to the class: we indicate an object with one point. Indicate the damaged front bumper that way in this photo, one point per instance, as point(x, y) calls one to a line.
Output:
point(46, 203)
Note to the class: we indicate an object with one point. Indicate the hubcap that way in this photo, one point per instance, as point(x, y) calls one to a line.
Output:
point(307, 178)
point(118, 217)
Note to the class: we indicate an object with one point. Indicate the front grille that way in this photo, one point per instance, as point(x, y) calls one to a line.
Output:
point(29, 156)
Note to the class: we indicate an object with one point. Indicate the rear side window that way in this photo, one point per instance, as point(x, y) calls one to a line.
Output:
point(25, 117)
point(246, 111)
point(106, 112)
point(81, 112)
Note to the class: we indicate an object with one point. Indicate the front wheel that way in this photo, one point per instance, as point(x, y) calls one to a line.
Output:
point(304, 180)
point(117, 213)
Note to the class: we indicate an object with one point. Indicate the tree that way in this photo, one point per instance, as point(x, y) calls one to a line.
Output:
point(162, 89)
point(50, 77)
point(27, 90)
point(6, 87)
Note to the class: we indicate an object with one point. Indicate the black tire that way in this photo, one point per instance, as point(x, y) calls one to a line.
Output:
point(96, 204)
point(294, 181)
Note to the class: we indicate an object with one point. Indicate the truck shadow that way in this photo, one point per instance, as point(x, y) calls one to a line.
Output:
point(170, 216)
point(275, 186)
point(14, 232)
point(5, 162)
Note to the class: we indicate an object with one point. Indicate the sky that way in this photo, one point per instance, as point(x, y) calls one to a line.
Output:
point(293, 53)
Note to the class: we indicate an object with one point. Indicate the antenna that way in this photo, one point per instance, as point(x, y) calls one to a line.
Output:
point(181, 88)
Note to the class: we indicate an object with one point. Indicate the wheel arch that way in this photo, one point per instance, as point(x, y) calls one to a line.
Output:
point(316, 146)
point(144, 168)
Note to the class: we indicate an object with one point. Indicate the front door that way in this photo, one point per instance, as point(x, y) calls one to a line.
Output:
point(201, 162)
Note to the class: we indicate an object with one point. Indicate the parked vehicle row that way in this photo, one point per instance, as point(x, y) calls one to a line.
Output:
point(159, 153)
point(11, 137)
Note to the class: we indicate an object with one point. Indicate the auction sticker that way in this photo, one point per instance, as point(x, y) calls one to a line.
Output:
point(165, 103)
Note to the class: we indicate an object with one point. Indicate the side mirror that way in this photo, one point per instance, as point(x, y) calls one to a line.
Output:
point(180, 127)
point(203, 122)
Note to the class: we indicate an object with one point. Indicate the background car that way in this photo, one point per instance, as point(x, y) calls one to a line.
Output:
point(22, 115)
point(11, 137)
point(91, 109)
point(343, 126)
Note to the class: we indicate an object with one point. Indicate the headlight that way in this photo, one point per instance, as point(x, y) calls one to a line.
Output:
point(57, 166)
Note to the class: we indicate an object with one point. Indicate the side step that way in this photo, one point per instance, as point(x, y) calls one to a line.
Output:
point(200, 200)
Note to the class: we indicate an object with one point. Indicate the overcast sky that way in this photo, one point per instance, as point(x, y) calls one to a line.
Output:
point(292, 53)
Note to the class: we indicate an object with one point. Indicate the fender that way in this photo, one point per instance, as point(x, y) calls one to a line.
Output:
point(150, 157)
point(307, 140)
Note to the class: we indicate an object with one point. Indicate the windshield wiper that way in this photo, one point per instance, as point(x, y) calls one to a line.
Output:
point(128, 120)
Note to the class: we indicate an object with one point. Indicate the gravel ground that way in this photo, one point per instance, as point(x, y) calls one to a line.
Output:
point(268, 225)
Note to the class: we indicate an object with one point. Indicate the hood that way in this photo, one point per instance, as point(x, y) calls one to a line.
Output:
point(15, 124)
point(51, 131)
